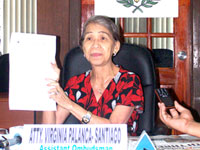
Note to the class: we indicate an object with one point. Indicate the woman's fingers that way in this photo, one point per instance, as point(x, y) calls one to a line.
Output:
point(53, 91)
point(162, 112)
point(55, 67)
point(174, 113)
point(184, 112)
point(54, 87)
point(56, 71)
point(52, 82)
point(179, 107)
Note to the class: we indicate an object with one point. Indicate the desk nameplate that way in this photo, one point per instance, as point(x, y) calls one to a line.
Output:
point(73, 137)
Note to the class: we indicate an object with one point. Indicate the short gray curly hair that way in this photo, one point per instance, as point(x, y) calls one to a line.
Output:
point(104, 21)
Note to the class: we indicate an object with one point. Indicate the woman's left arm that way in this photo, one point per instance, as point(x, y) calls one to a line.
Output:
point(120, 115)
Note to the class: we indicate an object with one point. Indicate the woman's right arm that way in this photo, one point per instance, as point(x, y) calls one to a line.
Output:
point(48, 117)
point(58, 116)
point(55, 117)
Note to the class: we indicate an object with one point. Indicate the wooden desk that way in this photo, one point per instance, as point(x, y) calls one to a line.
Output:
point(9, 118)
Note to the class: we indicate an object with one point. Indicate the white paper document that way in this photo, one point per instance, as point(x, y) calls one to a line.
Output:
point(30, 65)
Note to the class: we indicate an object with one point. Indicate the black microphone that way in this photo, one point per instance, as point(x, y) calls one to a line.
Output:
point(9, 142)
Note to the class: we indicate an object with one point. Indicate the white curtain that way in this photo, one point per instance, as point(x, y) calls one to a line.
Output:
point(162, 25)
point(159, 25)
point(1, 27)
point(18, 16)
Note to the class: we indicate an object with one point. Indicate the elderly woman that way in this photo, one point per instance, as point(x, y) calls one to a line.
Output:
point(106, 94)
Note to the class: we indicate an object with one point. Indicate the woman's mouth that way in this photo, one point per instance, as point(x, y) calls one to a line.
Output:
point(96, 54)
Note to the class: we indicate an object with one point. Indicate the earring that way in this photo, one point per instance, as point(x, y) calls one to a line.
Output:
point(114, 54)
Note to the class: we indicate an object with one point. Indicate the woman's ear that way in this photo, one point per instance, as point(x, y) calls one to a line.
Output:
point(117, 47)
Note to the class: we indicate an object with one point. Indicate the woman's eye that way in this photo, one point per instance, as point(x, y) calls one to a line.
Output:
point(88, 38)
point(103, 38)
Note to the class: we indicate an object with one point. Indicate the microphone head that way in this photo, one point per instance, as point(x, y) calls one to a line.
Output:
point(18, 138)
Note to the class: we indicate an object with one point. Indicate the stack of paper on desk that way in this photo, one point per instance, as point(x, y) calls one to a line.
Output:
point(170, 142)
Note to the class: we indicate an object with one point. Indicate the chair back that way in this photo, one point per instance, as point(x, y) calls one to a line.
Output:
point(133, 58)
point(4, 73)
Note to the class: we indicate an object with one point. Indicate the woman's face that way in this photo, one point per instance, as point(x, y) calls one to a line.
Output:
point(99, 45)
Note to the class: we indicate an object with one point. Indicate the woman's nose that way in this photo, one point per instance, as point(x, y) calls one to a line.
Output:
point(96, 43)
